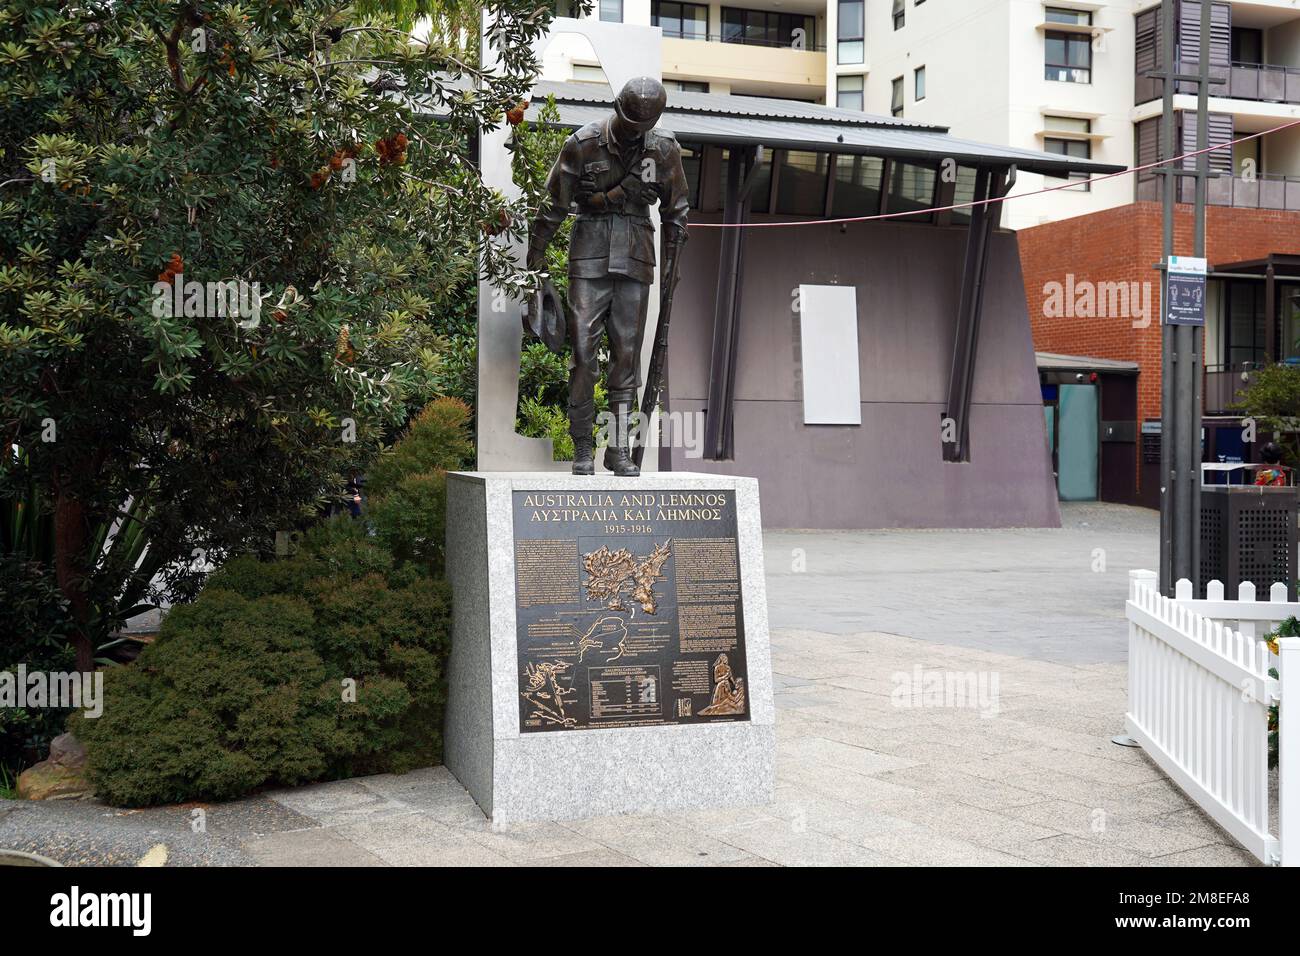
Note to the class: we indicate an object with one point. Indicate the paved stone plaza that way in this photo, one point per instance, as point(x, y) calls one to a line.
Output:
point(1021, 773)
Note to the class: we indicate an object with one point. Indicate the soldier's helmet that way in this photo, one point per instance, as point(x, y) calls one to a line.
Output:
point(641, 102)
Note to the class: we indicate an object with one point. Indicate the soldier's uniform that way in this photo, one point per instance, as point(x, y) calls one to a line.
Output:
point(611, 251)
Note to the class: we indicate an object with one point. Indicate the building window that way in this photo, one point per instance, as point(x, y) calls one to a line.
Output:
point(611, 11)
point(768, 28)
point(583, 73)
point(1078, 18)
point(849, 31)
point(896, 97)
point(963, 192)
point(761, 194)
point(857, 185)
point(1245, 325)
point(683, 21)
point(687, 86)
point(912, 187)
point(801, 184)
point(691, 163)
point(919, 83)
point(1069, 54)
point(900, 14)
point(848, 93)
point(1069, 145)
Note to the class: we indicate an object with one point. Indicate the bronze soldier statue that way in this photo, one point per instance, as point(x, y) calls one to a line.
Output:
point(611, 171)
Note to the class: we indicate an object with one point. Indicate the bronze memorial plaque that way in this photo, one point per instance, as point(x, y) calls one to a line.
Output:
point(628, 609)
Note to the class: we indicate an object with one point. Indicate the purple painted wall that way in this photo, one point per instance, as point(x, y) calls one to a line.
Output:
point(889, 471)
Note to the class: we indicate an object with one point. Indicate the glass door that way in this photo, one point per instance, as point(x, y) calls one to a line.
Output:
point(1077, 450)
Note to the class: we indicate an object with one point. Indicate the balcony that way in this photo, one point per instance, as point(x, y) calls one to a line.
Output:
point(740, 39)
point(1223, 383)
point(753, 67)
point(1265, 191)
point(1261, 82)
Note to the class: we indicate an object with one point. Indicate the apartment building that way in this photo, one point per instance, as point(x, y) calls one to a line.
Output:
point(773, 48)
point(1065, 76)
point(1252, 225)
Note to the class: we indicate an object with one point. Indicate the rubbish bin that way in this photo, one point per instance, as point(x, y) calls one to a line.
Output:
point(1248, 533)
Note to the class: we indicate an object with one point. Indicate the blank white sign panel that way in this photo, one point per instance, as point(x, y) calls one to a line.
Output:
point(828, 333)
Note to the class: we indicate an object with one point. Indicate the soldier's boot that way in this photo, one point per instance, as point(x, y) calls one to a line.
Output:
point(581, 419)
point(584, 462)
point(618, 454)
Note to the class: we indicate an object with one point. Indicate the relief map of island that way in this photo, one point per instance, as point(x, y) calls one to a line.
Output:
point(628, 609)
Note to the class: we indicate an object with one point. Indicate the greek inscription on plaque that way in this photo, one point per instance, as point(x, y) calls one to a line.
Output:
point(628, 609)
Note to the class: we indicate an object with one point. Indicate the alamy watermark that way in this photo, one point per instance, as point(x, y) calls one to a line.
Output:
point(975, 690)
point(1085, 299)
point(676, 430)
point(74, 908)
point(63, 690)
point(233, 298)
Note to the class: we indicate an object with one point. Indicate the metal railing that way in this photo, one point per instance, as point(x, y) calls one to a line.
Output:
point(1262, 191)
point(1264, 82)
point(1259, 82)
point(1223, 382)
point(744, 41)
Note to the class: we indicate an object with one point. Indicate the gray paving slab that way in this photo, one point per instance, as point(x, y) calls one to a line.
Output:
point(315, 847)
point(1032, 592)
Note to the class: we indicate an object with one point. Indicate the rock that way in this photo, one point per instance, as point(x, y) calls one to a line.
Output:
point(157, 856)
point(49, 781)
point(61, 776)
point(67, 751)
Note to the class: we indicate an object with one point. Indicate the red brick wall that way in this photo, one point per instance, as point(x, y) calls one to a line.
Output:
point(1122, 245)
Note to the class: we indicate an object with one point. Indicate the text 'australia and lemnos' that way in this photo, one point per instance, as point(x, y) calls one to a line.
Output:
point(625, 506)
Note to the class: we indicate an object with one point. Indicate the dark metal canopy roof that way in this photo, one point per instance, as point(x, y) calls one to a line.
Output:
point(723, 120)
point(1283, 265)
point(1057, 362)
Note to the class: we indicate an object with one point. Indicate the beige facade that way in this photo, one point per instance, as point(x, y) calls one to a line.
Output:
point(764, 47)
point(1056, 75)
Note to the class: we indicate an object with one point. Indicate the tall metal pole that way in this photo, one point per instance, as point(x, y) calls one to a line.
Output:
point(1195, 333)
point(1180, 384)
point(1168, 418)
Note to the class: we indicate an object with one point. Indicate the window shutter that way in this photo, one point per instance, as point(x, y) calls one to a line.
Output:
point(1146, 140)
point(1189, 41)
point(1148, 50)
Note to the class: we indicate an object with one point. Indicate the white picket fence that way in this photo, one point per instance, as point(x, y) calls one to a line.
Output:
point(1199, 694)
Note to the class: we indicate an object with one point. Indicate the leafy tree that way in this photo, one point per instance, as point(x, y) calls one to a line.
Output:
point(314, 149)
point(1272, 399)
point(38, 638)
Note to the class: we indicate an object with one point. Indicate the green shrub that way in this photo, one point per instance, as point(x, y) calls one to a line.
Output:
point(246, 687)
point(435, 442)
point(335, 547)
point(411, 520)
point(227, 700)
point(328, 663)
point(407, 485)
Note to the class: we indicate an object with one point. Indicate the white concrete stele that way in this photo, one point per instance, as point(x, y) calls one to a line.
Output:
point(570, 774)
